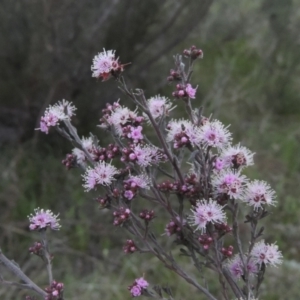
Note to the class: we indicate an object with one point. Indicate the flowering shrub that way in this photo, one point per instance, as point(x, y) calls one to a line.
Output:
point(193, 172)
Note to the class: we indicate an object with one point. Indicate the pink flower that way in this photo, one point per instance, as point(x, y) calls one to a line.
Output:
point(141, 181)
point(136, 291)
point(128, 194)
point(267, 254)
point(219, 164)
point(182, 132)
point(258, 193)
point(43, 219)
point(136, 134)
point(146, 155)
point(63, 110)
point(191, 92)
point(103, 174)
point(205, 212)
point(235, 266)
point(138, 286)
point(158, 106)
point(214, 134)
point(104, 64)
point(120, 117)
point(229, 182)
point(142, 283)
point(237, 156)
point(88, 144)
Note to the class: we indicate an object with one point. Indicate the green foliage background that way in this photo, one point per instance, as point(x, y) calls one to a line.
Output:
point(249, 78)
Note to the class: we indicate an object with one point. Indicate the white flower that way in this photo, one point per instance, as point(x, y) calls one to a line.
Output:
point(267, 254)
point(205, 212)
point(229, 182)
point(237, 156)
point(258, 193)
point(182, 132)
point(103, 63)
point(103, 174)
point(158, 106)
point(214, 134)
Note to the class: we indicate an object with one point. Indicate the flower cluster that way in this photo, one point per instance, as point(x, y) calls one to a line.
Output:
point(125, 122)
point(158, 106)
point(173, 227)
point(41, 219)
point(143, 155)
point(193, 52)
point(147, 215)
point(36, 249)
point(236, 268)
point(206, 212)
point(137, 288)
point(106, 65)
point(214, 187)
point(102, 174)
point(54, 291)
point(185, 91)
point(129, 247)
point(121, 215)
point(133, 183)
point(263, 253)
point(63, 110)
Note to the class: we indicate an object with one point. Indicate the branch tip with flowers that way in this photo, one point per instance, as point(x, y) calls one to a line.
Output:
point(201, 186)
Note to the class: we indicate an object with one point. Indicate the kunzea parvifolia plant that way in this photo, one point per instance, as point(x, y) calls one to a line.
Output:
point(187, 167)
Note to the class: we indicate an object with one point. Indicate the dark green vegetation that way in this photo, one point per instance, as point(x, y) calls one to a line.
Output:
point(249, 78)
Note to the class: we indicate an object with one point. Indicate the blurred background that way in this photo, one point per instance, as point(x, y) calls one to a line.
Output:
point(249, 78)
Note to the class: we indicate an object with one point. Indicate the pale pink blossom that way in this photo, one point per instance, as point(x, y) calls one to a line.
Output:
point(146, 155)
point(89, 145)
point(142, 282)
point(235, 266)
point(119, 117)
point(102, 174)
point(128, 194)
point(180, 129)
point(191, 92)
point(104, 63)
point(158, 106)
point(63, 110)
point(267, 254)
point(142, 181)
point(237, 156)
point(219, 164)
point(229, 182)
point(258, 193)
point(42, 219)
point(206, 212)
point(136, 291)
point(136, 134)
point(214, 134)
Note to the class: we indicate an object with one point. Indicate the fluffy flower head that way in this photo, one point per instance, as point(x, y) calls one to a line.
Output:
point(191, 92)
point(237, 156)
point(205, 212)
point(214, 134)
point(104, 63)
point(229, 182)
point(258, 193)
point(267, 254)
point(63, 110)
point(41, 219)
point(102, 174)
point(159, 106)
point(142, 181)
point(146, 155)
point(235, 266)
